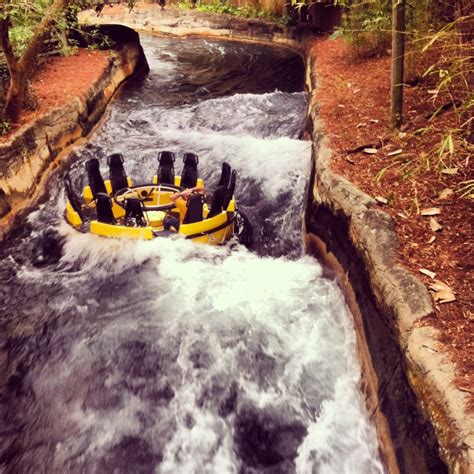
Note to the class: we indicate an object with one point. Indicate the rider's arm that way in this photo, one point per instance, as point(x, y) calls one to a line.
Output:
point(196, 189)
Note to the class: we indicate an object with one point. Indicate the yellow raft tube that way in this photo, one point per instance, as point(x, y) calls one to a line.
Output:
point(156, 205)
point(138, 212)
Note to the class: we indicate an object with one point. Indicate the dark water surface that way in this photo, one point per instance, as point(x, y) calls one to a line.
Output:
point(171, 357)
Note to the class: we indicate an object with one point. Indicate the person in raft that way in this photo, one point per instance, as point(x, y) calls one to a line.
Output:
point(180, 200)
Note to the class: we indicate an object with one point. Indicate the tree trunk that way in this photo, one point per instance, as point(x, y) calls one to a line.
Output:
point(398, 58)
point(15, 95)
point(20, 71)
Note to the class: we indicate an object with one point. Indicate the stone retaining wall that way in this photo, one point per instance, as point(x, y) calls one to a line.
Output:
point(30, 153)
point(405, 369)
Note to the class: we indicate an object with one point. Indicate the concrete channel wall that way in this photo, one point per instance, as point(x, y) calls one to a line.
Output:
point(420, 416)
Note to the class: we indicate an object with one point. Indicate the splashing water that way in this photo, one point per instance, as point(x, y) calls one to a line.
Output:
point(166, 356)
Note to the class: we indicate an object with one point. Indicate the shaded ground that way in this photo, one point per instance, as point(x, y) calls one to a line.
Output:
point(354, 101)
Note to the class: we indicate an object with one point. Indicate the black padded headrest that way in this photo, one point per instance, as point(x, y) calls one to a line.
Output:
point(134, 213)
point(230, 190)
point(96, 182)
point(225, 175)
point(166, 167)
point(194, 212)
point(114, 159)
point(104, 209)
point(189, 175)
point(166, 157)
point(190, 159)
point(217, 203)
point(117, 174)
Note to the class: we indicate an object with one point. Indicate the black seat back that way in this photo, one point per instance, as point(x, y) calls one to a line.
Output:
point(166, 167)
point(104, 209)
point(217, 204)
point(189, 175)
point(117, 175)
point(72, 197)
point(225, 175)
point(194, 212)
point(134, 215)
point(230, 190)
point(96, 182)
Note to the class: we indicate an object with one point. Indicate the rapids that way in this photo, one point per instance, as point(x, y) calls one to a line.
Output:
point(171, 357)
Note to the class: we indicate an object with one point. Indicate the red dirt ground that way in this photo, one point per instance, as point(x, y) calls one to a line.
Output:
point(354, 106)
point(61, 78)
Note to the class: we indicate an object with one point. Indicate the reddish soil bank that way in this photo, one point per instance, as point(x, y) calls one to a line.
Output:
point(61, 78)
point(353, 98)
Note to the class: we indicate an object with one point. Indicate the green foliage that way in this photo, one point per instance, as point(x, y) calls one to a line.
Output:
point(24, 15)
point(4, 127)
point(222, 7)
point(367, 28)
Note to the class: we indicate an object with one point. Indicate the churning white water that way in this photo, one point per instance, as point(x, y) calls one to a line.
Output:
point(171, 357)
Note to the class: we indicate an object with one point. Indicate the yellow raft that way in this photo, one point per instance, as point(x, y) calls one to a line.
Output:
point(117, 208)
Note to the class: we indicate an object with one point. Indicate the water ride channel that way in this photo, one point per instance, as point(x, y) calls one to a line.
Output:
point(166, 355)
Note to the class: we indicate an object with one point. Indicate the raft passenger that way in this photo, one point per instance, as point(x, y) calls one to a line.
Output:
point(180, 200)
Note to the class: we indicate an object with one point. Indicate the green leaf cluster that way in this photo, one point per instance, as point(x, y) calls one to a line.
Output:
point(222, 7)
point(24, 15)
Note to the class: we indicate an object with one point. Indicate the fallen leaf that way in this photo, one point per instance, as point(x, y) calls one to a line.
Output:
point(352, 162)
point(428, 273)
point(449, 171)
point(435, 225)
point(395, 152)
point(445, 193)
point(381, 200)
point(370, 151)
point(432, 239)
point(432, 211)
point(444, 296)
point(374, 120)
point(361, 124)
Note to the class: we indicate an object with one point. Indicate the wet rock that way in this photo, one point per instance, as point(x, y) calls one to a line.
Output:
point(131, 454)
point(267, 438)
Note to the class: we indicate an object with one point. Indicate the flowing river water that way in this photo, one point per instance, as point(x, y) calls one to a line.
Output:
point(171, 357)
